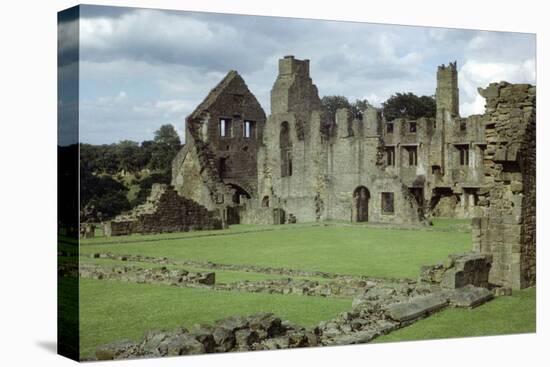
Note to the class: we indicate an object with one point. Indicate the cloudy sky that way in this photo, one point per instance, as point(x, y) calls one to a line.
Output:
point(142, 68)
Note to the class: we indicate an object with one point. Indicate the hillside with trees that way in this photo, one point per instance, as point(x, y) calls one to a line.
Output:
point(116, 177)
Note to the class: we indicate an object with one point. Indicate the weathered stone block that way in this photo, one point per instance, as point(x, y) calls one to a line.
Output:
point(416, 307)
point(470, 296)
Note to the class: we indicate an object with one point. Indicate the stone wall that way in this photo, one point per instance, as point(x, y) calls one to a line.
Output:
point(507, 228)
point(218, 162)
point(164, 211)
point(161, 275)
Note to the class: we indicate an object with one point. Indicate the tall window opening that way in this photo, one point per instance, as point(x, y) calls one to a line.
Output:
point(412, 155)
point(463, 154)
point(286, 150)
point(390, 156)
point(249, 129)
point(387, 203)
point(225, 128)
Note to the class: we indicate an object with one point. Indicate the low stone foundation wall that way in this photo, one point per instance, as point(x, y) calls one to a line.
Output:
point(244, 268)
point(136, 274)
point(373, 314)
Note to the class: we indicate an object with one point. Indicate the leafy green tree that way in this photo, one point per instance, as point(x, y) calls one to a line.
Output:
point(165, 146)
point(359, 107)
point(408, 105)
point(128, 155)
point(330, 104)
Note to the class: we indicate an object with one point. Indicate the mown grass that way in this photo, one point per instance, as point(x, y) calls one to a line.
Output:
point(111, 310)
point(136, 237)
point(504, 315)
point(387, 253)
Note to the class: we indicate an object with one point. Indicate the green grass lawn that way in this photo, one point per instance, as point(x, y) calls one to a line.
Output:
point(504, 315)
point(353, 250)
point(111, 310)
point(234, 229)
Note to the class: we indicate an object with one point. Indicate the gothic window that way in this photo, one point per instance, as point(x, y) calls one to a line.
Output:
point(412, 126)
point(389, 128)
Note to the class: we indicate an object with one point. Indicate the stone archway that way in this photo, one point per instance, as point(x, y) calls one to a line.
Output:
point(361, 197)
point(234, 209)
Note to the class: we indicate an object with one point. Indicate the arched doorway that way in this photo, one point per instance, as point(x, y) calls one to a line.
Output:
point(361, 197)
point(234, 210)
point(238, 193)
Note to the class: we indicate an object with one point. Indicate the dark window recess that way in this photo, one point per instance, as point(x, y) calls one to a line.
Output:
point(286, 150)
point(390, 156)
point(222, 166)
point(265, 202)
point(225, 128)
point(412, 127)
point(387, 203)
point(462, 125)
point(436, 170)
point(412, 155)
point(249, 129)
point(389, 128)
point(464, 154)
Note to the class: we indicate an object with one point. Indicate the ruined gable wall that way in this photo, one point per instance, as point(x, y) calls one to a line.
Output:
point(211, 161)
point(508, 228)
point(238, 104)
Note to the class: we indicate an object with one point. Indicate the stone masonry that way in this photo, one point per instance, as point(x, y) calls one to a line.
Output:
point(507, 228)
point(164, 211)
point(297, 165)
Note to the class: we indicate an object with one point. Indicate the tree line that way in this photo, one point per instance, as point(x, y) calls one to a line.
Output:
point(103, 189)
point(399, 105)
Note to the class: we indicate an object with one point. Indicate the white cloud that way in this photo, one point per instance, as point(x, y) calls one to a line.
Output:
point(474, 74)
point(160, 64)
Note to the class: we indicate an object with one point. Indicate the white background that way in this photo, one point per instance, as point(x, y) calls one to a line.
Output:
point(28, 182)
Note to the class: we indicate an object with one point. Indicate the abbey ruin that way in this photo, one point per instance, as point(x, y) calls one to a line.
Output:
point(296, 166)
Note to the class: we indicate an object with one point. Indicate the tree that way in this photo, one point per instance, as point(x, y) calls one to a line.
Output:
point(128, 155)
point(408, 105)
point(330, 104)
point(165, 147)
point(359, 107)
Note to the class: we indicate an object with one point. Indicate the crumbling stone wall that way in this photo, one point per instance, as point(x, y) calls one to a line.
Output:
point(508, 226)
point(329, 164)
point(164, 211)
point(223, 135)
